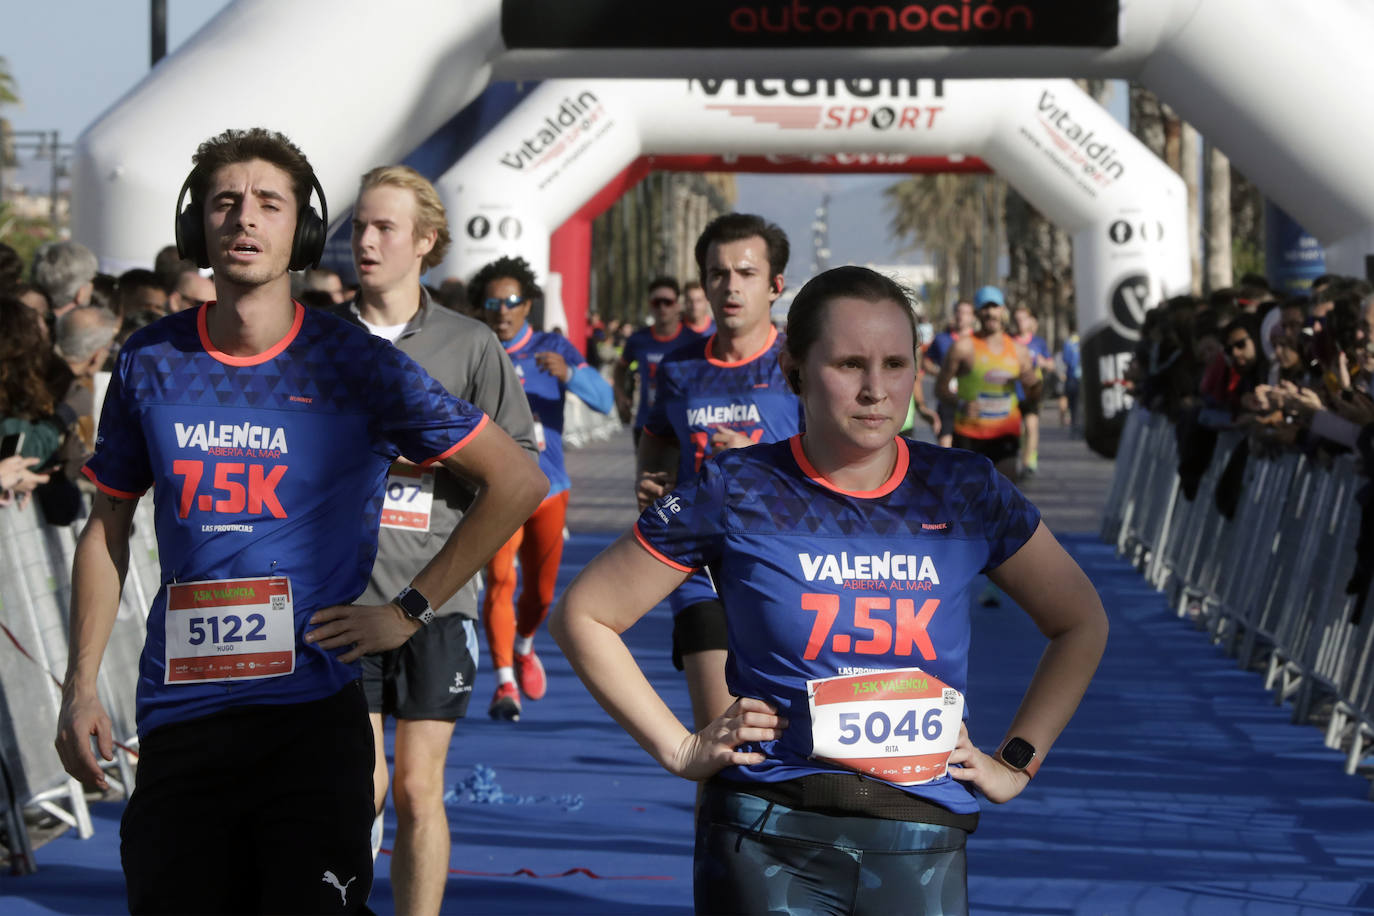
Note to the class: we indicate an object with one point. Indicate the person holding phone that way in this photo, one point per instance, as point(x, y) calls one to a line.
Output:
point(841, 778)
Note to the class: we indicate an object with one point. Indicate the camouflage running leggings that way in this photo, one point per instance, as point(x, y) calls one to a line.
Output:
point(755, 856)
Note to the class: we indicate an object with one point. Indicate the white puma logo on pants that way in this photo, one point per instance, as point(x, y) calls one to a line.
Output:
point(330, 878)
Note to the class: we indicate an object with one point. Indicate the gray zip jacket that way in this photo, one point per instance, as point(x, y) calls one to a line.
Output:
point(464, 356)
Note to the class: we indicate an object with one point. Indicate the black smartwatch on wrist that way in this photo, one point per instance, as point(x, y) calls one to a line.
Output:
point(1020, 754)
point(415, 605)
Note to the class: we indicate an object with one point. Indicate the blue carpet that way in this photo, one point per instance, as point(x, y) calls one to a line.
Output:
point(1179, 788)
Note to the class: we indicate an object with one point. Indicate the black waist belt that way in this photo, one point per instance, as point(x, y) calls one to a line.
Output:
point(848, 795)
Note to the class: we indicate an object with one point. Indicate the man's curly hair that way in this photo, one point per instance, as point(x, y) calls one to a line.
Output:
point(505, 268)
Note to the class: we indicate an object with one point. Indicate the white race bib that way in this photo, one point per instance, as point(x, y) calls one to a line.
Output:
point(993, 406)
point(539, 439)
point(899, 726)
point(229, 630)
point(409, 498)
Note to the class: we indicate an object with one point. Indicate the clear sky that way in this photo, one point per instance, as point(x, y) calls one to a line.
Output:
point(72, 59)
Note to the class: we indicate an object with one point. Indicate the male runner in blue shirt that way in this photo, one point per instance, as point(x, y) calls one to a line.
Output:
point(268, 431)
point(647, 347)
point(715, 394)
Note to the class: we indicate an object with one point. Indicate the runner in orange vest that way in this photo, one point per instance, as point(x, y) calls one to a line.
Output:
point(986, 366)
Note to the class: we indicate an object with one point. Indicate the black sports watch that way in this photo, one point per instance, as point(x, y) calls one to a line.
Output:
point(1020, 754)
point(414, 604)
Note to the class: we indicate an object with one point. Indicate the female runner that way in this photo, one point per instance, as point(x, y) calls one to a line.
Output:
point(842, 778)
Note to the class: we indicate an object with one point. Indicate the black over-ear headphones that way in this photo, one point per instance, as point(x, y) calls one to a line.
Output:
point(307, 247)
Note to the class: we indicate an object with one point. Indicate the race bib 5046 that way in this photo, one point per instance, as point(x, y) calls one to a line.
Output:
point(899, 726)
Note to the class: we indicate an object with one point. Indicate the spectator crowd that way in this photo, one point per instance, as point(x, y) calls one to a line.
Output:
point(1292, 371)
point(1289, 372)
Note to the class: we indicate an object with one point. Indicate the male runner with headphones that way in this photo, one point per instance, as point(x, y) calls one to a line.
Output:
point(714, 394)
point(268, 431)
point(399, 230)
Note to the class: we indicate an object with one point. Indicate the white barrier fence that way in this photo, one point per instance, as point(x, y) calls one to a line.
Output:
point(35, 593)
point(1268, 583)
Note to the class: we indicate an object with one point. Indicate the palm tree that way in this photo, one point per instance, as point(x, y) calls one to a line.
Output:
point(9, 95)
point(948, 216)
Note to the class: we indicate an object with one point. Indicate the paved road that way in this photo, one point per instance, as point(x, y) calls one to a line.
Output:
point(1070, 489)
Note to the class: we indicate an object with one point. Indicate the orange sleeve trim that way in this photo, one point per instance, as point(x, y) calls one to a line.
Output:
point(660, 557)
point(453, 449)
point(108, 490)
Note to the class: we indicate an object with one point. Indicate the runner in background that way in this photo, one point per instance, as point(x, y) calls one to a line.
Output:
point(696, 309)
point(984, 368)
point(646, 348)
point(1071, 360)
point(960, 325)
point(1026, 326)
point(400, 230)
point(917, 408)
point(715, 394)
point(548, 367)
point(807, 538)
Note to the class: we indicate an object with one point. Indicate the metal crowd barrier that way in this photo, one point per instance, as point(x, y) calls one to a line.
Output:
point(1268, 584)
point(35, 594)
point(582, 425)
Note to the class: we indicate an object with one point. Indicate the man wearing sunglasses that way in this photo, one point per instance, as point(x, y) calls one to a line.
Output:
point(400, 229)
point(647, 347)
point(550, 368)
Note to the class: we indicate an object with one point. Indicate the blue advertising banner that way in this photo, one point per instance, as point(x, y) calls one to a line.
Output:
point(1292, 258)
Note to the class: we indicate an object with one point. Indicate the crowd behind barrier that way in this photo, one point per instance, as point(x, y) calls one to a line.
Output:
point(1259, 556)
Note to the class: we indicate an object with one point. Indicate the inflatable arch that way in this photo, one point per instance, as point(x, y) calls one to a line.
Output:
point(357, 84)
point(1124, 208)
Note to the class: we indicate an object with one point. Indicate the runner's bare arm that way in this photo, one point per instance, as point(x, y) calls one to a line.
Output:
point(509, 488)
point(616, 589)
point(101, 561)
point(925, 413)
point(1030, 379)
point(953, 366)
point(655, 467)
point(1044, 580)
point(623, 404)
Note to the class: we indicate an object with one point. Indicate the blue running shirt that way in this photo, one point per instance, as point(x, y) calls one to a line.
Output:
point(270, 465)
point(698, 393)
point(546, 395)
point(648, 349)
point(819, 582)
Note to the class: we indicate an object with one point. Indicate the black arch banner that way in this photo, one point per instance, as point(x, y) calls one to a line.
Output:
point(708, 24)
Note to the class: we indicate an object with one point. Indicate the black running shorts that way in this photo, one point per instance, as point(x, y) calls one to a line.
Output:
point(261, 809)
point(429, 677)
point(999, 449)
point(697, 628)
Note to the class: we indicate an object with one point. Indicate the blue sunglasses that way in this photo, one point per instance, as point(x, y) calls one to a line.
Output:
point(510, 302)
